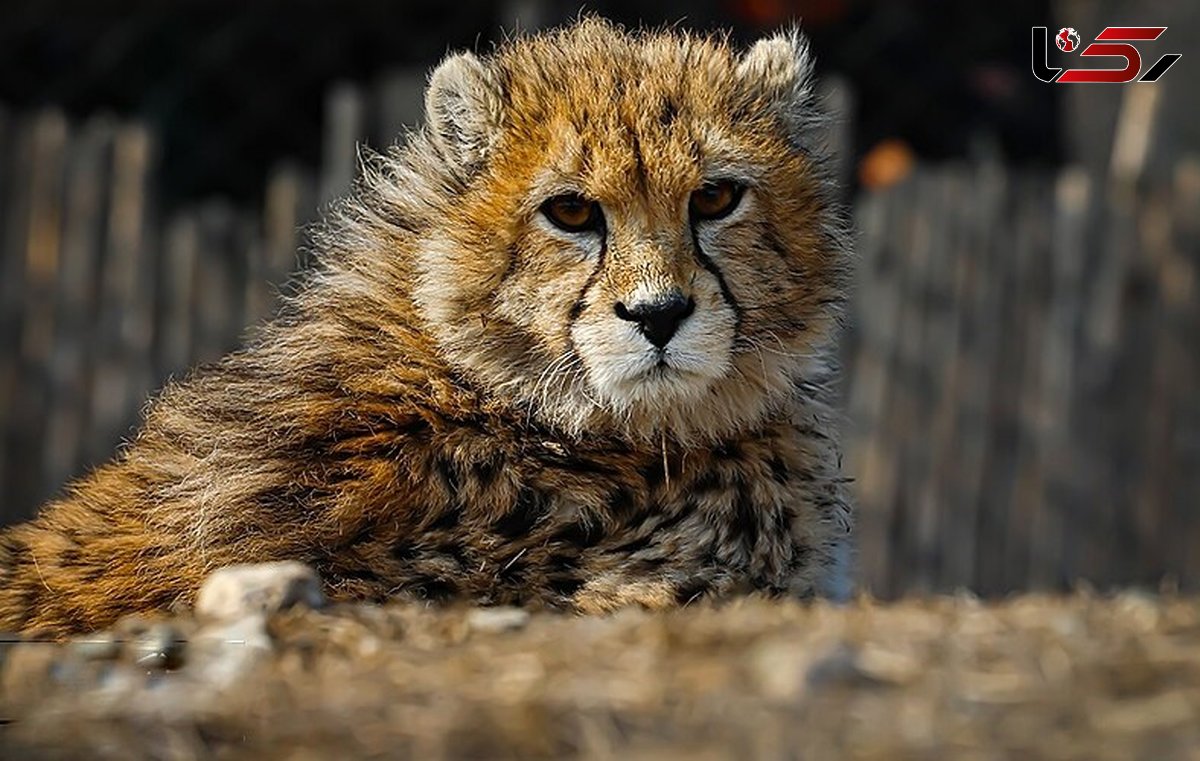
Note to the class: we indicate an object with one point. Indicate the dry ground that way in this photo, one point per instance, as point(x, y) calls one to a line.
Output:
point(1081, 677)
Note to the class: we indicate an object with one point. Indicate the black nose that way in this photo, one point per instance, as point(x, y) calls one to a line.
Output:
point(658, 318)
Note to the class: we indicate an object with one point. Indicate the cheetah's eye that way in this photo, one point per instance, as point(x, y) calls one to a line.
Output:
point(573, 213)
point(715, 199)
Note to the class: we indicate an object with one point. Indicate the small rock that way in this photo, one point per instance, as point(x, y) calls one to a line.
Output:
point(236, 591)
point(496, 620)
point(225, 652)
point(778, 668)
point(866, 665)
point(101, 646)
point(159, 647)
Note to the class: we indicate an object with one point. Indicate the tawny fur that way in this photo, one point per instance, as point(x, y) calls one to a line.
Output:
point(448, 408)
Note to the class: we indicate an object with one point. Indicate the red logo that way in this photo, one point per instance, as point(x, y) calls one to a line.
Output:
point(1113, 42)
point(1067, 39)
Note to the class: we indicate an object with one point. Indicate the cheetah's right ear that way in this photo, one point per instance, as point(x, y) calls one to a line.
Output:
point(780, 69)
point(463, 109)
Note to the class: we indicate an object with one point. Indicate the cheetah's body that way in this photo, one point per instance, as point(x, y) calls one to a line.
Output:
point(449, 409)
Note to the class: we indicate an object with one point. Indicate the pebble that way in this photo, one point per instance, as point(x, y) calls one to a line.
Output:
point(161, 646)
point(236, 591)
point(101, 646)
point(497, 620)
point(227, 651)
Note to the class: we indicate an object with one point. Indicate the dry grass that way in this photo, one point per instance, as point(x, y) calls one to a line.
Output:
point(1080, 677)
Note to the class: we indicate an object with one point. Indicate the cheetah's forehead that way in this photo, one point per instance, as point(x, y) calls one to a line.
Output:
point(620, 115)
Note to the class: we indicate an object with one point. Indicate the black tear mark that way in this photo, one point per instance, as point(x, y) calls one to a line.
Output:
point(712, 267)
point(510, 265)
point(581, 300)
point(775, 244)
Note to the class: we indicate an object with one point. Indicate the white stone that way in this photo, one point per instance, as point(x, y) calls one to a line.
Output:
point(494, 620)
point(237, 591)
point(227, 652)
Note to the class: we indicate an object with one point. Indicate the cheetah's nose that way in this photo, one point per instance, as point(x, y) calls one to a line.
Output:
point(658, 317)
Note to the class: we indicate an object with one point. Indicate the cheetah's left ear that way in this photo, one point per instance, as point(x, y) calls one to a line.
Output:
point(463, 110)
point(780, 69)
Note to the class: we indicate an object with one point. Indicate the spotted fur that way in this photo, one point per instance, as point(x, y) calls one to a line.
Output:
point(448, 408)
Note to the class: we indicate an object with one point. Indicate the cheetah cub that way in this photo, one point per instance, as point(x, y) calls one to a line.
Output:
point(565, 347)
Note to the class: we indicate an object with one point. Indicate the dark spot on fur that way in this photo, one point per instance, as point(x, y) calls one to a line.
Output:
point(357, 574)
point(447, 519)
point(485, 471)
point(638, 159)
point(691, 590)
point(653, 474)
point(622, 505)
point(452, 551)
point(581, 465)
point(449, 475)
point(434, 587)
point(727, 450)
point(512, 569)
point(564, 584)
point(709, 481)
point(69, 557)
point(779, 469)
point(668, 113)
point(674, 519)
point(745, 518)
point(528, 509)
point(364, 534)
point(580, 533)
point(781, 520)
point(637, 544)
point(404, 551)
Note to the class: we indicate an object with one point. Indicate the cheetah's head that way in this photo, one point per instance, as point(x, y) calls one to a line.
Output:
point(635, 235)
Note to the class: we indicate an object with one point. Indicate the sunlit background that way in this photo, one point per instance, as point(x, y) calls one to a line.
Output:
point(1023, 356)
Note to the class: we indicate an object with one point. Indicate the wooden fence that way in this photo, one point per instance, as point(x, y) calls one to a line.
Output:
point(1022, 363)
point(1022, 382)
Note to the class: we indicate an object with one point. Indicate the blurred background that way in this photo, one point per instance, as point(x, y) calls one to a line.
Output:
point(1023, 355)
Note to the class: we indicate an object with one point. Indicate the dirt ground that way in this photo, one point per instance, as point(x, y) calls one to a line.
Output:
point(1081, 677)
